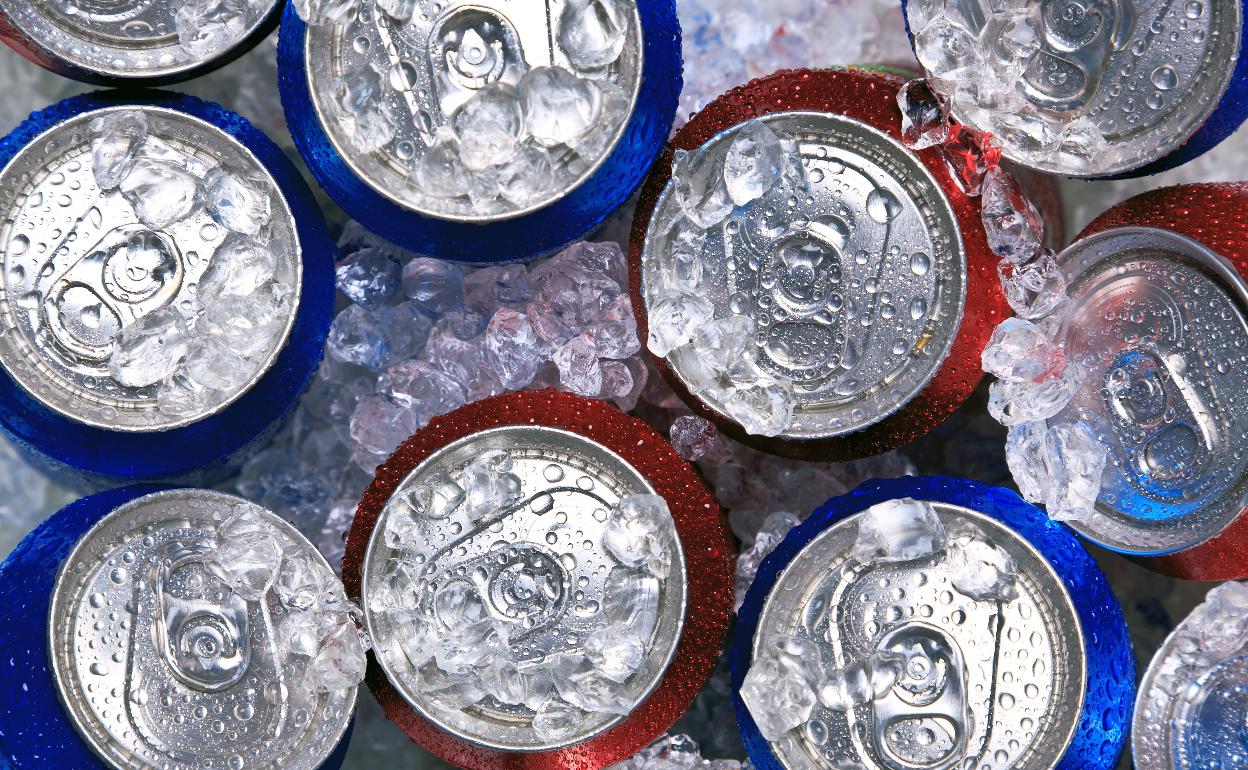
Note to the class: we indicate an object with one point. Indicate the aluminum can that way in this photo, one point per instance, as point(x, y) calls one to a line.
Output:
point(950, 624)
point(545, 571)
point(869, 286)
point(234, 322)
point(427, 171)
point(135, 43)
point(130, 651)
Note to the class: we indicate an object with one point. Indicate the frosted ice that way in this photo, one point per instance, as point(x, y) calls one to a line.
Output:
point(161, 192)
point(377, 338)
point(115, 137)
point(248, 553)
point(1022, 350)
point(1013, 225)
point(1034, 289)
point(558, 106)
point(631, 601)
point(979, 568)
point(947, 51)
point(763, 408)
point(320, 12)
point(238, 201)
point(692, 436)
point(579, 369)
point(637, 533)
point(514, 349)
point(208, 27)
point(1013, 401)
point(674, 320)
point(1076, 459)
point(489, 126)
point(487, 289)
point(303, 582)
point(1025, 455)
point(380, 425)
point(238, 267)
point(369, 277)
point(862, 681)
point(150, 349)
point(556, 719)
point(617, 652)
point(245, 326)
point(592, 32)
point(898, 530)
point(754, 162)
point(773, 530)
point(578, 682)
point(778, 698)
point(365, 114)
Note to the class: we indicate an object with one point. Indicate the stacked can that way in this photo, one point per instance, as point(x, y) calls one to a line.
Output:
point(1089, 89)
point(931, 622)
point(154, 628)
point(481, 131)
point(168, 287)
point(546, 582)
point(805, 280)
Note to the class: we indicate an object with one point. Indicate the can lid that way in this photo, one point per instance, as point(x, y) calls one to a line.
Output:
point(191, 628)
point(825, 296)
point(930, 635)
point(476, 110)
point(1189, 712)
point(1157, 324)
point(1083, 89)
point(152, 268)
point(137, 39)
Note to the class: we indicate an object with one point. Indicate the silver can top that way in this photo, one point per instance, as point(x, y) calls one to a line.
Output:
point(151, 268)
point(192, 629)
point(1081, 87)
point(136, 39)
point(1157, 325)
point(1189, 713)
point(928, 636)
point(476, 110)
point(525, 588)
point(803, 275)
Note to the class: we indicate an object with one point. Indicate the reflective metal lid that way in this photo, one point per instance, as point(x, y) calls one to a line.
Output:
point(404, 81)
point(80, 268)
point(1158, 322)
point(852, 286)
point(489, 613)
point(127, 39)
point(163, 661)
point(995, 681)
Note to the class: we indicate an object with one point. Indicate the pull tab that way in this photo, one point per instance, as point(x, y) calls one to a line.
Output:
point(1077, 38)
point(523, 584)
point(923, 722)
point(469, 49)
point(205, 643)
point(128, 274)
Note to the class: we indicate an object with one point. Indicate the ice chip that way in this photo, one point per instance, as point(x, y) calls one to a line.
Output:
point(514, 349)
point(377, 338)
point(149, 350)
point(379, 425)
point(558, 105)
point(368, 277)
point(617, 652)
point(698, 182)
point(517, 684)
point(1011, 402)
point(777, 697)
point(637, 533)
point(556, 719)
point(947, 51)
point(1076, 459)
point(245, 326)
point(114, 138)
point(302, 581)
point(898, 530)
point(979, 568)
point(592, 33)
point(1021, 350)
point(489, 125)
point(487, 289)
point(239, 267)
point(581, 684)
point(422, 388)
point(208, 27)
point(238, 201)
point(674, 320)
point(440, 172)
point(1034, 289)
point(340, 664)
point(434, 285)
point(527, 177)
point(489, 485)
point(1014, 227)
point(923, 122)
point(762, 408)
point(579, 370)
point(364, 113)
point(399, 10)
point(1025, 456)
point(861, 681)
point(160, 192)
point(753, 163)
point(692, 436)
point(248, 553)
point(631, 601)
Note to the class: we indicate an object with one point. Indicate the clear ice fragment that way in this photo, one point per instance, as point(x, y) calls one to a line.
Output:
point(238, 201)
point(149, 350)
point(592, 33)
point(754, 162)
point(898, 530)
point(637, 534)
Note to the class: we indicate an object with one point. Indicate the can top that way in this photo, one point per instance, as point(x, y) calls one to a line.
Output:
point(135, 39)
point(191, 628)
point(1157, 325)
point(1189, 712)
point(1081, 88)
point(803, 275)
point(932, 636)
point(476, 110)
point(525, 588)
point(152, 268)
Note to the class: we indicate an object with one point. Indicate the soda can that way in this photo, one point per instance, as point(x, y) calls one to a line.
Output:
point(931, 622)
point(1109, 88)
point(1156, 323)
point(167, 287)
point(1185, 715)
point(482, 131)
point(546, 582)
point(141, 635)
point(827, 294)
point(137, 43)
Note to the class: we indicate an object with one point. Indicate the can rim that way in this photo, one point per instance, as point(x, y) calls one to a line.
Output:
point(699, 524)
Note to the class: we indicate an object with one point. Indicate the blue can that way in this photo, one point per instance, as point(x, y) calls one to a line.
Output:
point(50, 717)
point(926, 622)
point(482, 131)
point(168, 287)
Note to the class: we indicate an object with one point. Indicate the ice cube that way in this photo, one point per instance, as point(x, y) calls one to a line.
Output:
point(377, 338)
point(1076, 458)
point(762, 408)
point(1034, 289)
point(587, 688)
point(421, 388)
point(149, 350)
point(1021, 350)
point(674, 320)
point(631, 601)
point(947, 51)
point(489, 126)
point(861, 681)
point(248, 553)
point(434, 285)
point(209, 27)
point(238, 201)
point(898, 530)
point(558, 105)
point(923, 122)
point(700, 188)
point(579, 370)
point(489, 485)
point(556, 719)
point(515, 683)
point(246, 326)
point(617, 652)
point(440, 172)
point(637, 533)
point(527, 177)
point(693, 436)
point(754, 162)
point(239, 266)
point(368, 277)
point(592, 33)
point(302, 581)
point(1013, 401)
point(364, 112)
point(1025, 455)
point(778, 698)
point(322, 12)
point(160, 192)
point(115, 137)
point(514, 349)
point(1014, 227)
point(340, 664)
point(399, 10)
point(380, 425)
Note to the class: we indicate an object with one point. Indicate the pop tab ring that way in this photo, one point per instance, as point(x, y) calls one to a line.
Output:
point(1099, 732)
point(1208, 217)
point(36, 723)
point(866, 100)
point(703, 538)
point(369, 191)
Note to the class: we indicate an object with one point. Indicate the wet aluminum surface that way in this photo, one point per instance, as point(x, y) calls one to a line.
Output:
point(120, 38)
point(138, 576)
point(55, 219)
point(1158, 324)
point(428, 79)
point(1013, 680)
point(868, 327)
point(1146, 72)
point(568, 484)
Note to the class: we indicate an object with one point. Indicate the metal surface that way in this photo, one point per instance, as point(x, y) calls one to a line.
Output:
point(553, 536)
point(865, 327)
point(1147, 72)
point(122, 38)
point(428, 77)
point(1010, 676)
point(1158, 325)
point(131, 603)
point(55, 223)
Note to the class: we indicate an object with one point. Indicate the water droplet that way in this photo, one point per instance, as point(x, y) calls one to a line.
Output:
point(552, 473)
point(920, 263)
point(882, 206)
point(18, 245)
point(403, 76)
point(918, 308)
point(1164, 77)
